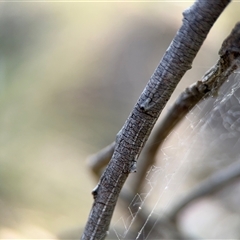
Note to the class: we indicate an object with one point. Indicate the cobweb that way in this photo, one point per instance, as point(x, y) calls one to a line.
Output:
point(207, 140)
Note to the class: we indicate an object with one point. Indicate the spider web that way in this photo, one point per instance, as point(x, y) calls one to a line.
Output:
point(207, 140)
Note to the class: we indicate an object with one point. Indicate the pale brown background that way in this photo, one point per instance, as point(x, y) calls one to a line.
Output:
point(70, 73)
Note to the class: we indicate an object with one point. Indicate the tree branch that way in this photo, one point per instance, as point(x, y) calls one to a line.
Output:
point(212, 184)
point(209, 85)
point(186, 101)
point(228, 62)
point(178, 58)
point(99, 160)
point(165, 227)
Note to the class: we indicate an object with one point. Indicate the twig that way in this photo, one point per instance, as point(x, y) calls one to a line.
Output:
point(211, 82)
point(212, 184)
point(165, 227)
point(187, 100)
point(178, 58)
point(209, 85)
point(99, 160)
point(228, 62)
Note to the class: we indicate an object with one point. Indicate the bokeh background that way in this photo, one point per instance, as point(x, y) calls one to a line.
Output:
point(70, 73)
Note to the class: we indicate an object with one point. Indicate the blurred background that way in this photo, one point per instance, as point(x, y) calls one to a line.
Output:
point(70, 73)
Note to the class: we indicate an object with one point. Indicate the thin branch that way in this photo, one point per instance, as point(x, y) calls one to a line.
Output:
point(228, 62)
point(99, 160)
point(209, 186)
point(178, 58)
point(187, 100)
point(211, 82)
point(165, 226)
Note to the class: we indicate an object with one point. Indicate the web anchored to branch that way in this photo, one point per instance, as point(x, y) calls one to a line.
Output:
point(217, 129)
point(131, 139)
point(208, 153)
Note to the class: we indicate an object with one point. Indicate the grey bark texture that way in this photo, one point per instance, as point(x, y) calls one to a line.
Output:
point(209, 85)
point(178, 58)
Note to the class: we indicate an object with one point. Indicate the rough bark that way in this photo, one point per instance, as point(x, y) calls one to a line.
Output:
point(229, 59)
point(178, 58)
